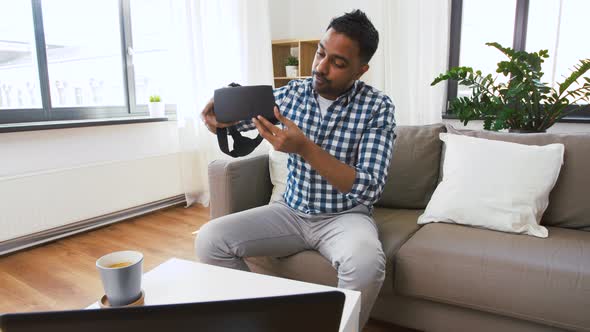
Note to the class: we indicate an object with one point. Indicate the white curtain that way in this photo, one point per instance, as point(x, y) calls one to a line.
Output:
point(213, 43)
point(415, 41)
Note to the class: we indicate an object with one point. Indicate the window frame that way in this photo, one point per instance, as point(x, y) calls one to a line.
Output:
point(64, 114)
point(519, 44)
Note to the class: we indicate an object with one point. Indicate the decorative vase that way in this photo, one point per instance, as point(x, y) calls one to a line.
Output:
point(291, 71)
point(157, 109)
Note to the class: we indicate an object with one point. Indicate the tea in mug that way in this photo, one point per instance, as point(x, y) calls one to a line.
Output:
point(119, 265)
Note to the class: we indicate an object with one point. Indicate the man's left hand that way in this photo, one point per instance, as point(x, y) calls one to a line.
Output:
point(290, 140)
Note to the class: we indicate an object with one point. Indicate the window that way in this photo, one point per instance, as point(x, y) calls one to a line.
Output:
point(485, 21)
point(554, 25)
point(561, 33)
point(19, 78)
point(81, 59)
point(84, 64)
point(151, 33)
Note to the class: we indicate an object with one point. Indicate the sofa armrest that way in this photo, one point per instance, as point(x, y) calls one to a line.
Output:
point(237, 185)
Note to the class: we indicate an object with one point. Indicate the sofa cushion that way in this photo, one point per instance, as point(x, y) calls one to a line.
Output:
point(414, 167)
point(542, 280)
point(395, 227)
point(568, 205)
point(277, 167)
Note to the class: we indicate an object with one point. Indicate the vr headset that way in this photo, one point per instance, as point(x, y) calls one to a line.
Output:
point(236, 103)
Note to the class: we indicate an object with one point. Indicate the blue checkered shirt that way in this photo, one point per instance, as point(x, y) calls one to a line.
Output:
point(357, 129)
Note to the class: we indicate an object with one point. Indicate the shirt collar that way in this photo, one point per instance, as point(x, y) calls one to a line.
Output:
point(344, 98)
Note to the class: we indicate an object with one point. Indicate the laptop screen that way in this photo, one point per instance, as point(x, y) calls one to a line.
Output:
point(304, 312)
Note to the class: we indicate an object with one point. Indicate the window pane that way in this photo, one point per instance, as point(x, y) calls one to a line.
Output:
point(19, 78)
point(483, 22)
point(565, 49)
point(150, 26)
point(83, 41)
point(542, 32)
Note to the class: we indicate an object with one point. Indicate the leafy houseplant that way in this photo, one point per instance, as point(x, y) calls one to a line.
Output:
point(156, 107)
point(524, 103)
point(291, 65)
point(292, 61)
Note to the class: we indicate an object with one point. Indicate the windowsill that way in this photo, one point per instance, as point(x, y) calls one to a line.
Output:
point(570, 119)
point(45, 125)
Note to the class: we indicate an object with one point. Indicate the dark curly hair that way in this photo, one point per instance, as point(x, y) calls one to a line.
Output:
point(357, 26)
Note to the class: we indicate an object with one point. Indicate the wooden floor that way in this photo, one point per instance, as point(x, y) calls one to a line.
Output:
point(62, 275)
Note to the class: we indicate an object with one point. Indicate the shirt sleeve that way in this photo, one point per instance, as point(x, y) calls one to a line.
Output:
point(374, 155)
point(279, 94)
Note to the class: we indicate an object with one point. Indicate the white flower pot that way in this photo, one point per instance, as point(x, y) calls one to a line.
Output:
point(157, 110)
point(291, 71)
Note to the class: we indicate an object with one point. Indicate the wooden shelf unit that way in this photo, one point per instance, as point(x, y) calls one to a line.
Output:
point(281, 49)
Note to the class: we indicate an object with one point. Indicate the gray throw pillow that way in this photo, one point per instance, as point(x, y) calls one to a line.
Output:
point(413, 172)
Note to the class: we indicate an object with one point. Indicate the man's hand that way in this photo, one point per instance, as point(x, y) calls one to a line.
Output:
point(210, 119)
point(290, 140)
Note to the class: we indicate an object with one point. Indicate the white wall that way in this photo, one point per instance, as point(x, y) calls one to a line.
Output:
point(50, 178)
point(280, 19)
point(308, 19)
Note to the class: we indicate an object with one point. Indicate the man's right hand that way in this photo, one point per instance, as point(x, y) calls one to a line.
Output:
point(210, 120)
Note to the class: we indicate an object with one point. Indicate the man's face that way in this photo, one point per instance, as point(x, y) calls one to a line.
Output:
point(337, 64)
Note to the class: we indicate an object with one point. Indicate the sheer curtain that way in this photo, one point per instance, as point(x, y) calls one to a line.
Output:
point(415, 51)
point(213, 44)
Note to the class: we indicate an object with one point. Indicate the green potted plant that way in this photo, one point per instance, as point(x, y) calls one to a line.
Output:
point(522, 104)
point(291, 66)
point(156, 107)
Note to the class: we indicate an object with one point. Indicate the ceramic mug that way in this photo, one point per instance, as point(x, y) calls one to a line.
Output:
point(121, 273)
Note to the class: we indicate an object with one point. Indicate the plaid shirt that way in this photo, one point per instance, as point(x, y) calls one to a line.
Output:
point(357, 130)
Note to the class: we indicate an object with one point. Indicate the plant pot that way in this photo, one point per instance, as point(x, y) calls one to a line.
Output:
point(291, 71)
point(157, 110)
point(525, 131)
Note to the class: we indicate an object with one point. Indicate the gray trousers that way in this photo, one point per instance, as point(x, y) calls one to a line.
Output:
point(348, 239)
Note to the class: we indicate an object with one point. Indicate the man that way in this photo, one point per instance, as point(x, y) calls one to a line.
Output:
point(338, 132)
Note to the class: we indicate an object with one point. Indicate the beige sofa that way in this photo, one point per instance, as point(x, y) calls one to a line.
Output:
point(443, 277)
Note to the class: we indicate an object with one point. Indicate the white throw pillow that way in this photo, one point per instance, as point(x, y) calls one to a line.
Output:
point(277, 163)
point(495, 185)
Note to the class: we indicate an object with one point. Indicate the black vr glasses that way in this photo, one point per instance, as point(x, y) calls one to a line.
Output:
point(236, 103)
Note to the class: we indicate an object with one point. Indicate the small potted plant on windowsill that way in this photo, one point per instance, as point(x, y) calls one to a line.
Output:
point(156, 107)
point(524, 103)
point(291, 66)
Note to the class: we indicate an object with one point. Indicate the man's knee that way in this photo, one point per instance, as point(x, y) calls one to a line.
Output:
point(208, 242)
point(366, 262)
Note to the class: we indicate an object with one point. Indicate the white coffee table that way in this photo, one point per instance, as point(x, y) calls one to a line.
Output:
point(181, 281)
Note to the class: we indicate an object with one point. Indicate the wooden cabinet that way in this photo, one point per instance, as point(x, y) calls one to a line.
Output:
point(304, 50)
